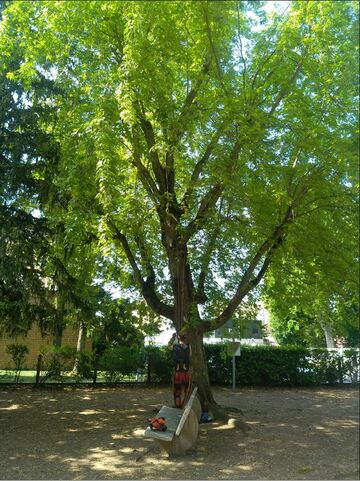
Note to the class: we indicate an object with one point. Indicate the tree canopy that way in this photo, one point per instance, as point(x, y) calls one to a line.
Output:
point(200, 143)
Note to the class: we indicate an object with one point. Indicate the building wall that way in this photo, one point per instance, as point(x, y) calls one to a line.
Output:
point(35, 343)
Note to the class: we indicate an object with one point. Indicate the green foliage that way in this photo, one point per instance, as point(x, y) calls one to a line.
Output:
point(84, 365)
point(272, 90)
point(158, 364)
point(270, 366)
point(297, 328)
point(279, 366)
point(117, 325)
point(350, 364)
point(57, 363)
point(274, 366)
point(119, 361)
point(18, 354)
point(303, 300)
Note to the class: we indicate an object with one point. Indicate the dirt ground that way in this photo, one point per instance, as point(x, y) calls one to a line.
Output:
point(84, 433)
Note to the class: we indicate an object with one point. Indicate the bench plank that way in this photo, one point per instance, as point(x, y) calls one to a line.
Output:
point(186, 412)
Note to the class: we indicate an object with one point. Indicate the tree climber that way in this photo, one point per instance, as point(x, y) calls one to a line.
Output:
point(181, 376)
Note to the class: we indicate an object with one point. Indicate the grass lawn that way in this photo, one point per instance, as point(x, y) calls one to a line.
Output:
point(29, 376)
point(7, 375)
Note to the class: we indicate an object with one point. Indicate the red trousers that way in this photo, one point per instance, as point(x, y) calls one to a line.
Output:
point(181, 378)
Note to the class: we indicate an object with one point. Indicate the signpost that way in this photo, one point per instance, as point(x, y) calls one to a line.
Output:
point(234, 350)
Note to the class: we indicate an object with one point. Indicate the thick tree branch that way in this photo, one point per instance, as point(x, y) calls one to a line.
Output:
point(285, 90)
point(180, 124)
point(158, 169)
point(201, 296)
point(248, 282)
point(147, 286)
point(209, 200)
point(201, 163)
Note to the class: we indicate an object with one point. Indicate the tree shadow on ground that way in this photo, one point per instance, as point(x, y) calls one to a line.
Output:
point(98, 434)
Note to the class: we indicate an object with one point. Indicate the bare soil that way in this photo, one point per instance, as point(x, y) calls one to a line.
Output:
point(85, 433)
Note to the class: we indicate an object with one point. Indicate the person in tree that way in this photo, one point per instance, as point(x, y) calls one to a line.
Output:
point(181, 376)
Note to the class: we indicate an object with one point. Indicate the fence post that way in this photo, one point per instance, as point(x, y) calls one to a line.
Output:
point(149, 368)
point(341, 365)
point(233, 373)
point(38, 369)
point(95, 368)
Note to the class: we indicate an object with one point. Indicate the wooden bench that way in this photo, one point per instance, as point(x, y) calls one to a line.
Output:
point(182, 427)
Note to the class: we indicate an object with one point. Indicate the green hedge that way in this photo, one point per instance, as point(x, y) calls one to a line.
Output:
point(266, 366)
point(279, 366)
point(257, 366)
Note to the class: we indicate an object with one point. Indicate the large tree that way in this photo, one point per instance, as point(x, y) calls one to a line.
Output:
point(200, 138)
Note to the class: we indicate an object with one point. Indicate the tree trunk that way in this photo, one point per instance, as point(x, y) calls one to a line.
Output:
point(329, 338)
point(186, 312)
point(58, 332)
point(199, 368)
point(59, 320)
point(80, 346)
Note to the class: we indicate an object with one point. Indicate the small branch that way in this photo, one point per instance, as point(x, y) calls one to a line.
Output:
point(144, 255)
point(201, 163)
point(149, 135)
point(207, 203)
point(201, 296)
point(209, 200)
point(261, 66)
point(325, 207)
point(282, 94)
point(241, 46)
point(213, 50)
point(180, 125)
point(146, 179)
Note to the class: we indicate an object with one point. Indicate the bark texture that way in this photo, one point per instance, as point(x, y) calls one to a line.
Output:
point(80, 345)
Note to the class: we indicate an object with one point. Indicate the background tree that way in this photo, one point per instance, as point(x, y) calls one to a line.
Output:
point(193, 143)
point(24, 234)
point(317, 306)
point(46, 271)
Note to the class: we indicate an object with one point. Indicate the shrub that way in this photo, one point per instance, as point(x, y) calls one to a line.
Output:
point(273, 366)
point(118, 361)
point(84, 365)
point(282, 365)
point(18, 353)
point(57, 363)
point(158, 363)
point(351, 365)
